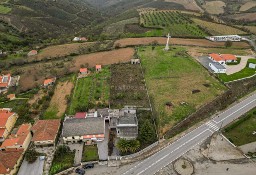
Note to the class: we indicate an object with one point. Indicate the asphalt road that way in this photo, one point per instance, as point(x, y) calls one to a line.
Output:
point(170, 153)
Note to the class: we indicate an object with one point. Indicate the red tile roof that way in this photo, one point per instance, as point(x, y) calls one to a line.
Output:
point(45, 130)
point(8, 160)
point(228, 57)
point(4, 80)
point(49, 81)
point(11, 96)
point(18, 138)
point(2, 130)
point(216, 57)
point(80, 115)
point(32, 52)
point(93, 136)
point(83, 70)
point(98, 66)
point(4, 115)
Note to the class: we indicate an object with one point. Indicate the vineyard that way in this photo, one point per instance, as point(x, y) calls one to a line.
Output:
point(90, 92)
point(217, 29)
point(173, 22)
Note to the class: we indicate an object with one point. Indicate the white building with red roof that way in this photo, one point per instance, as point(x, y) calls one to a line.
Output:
point(83, 71)
point(7, 122)
point(32, 53)
point(5, 81)
point(98, 67)
point(222, 58)
point(20, 140)
point(49, 81)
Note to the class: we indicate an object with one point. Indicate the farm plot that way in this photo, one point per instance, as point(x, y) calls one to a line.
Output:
point(60, 98)
point(173, 22)
point(127, 86)
point(118, 27)
point(217, 29)
point(215, 7)
point(177, 84)
point(90, 92)
point(252, 29)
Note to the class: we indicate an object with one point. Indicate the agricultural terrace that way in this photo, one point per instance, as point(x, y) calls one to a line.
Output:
point(91, 91)
point(4, 9)
point(246, 72)
point(127, 86)
point(217, 29)
point(59, 100)
point(175, 22)
point(240, 132)
point(252, 29)
point(177, 84)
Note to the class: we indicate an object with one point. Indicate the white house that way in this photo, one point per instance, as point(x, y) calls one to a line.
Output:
point(224, 38)
point(217, 67)
point(222, 58)
point(76, 39)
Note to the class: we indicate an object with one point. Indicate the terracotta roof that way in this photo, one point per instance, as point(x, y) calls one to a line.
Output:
point(80, 115)
point(98, 66)
point(32, 52)
point(2, 130)
point(48, 81)
point(11, 96)
point(4, 115)
point(4, 80)
point(19, 138)
point(94, 136)
point(83, 69)
point(45, 130)
point(83, 39)
point(228, 57)
point(8, 159)
point(216, 57)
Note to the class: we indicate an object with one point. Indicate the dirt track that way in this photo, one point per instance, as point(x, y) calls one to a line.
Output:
point(176, 41)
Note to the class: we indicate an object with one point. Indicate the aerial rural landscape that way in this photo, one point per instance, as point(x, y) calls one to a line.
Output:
point(127, 87)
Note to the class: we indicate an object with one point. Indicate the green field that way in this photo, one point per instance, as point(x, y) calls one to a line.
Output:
point(62, 162)
point(240, 132)
point(171, 77)
point(4, 9)
point(91, 91)
point(176, 23)
point(90, 153)
point(246, 72)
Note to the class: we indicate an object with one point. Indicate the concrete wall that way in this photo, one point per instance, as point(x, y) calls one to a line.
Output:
point(10, 124)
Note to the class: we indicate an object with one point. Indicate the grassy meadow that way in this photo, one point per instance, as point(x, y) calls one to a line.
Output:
point(171, 76)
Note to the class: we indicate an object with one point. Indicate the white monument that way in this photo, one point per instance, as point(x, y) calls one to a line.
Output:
point(167, 43)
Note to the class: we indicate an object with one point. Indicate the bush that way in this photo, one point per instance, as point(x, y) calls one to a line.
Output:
point(31, 155)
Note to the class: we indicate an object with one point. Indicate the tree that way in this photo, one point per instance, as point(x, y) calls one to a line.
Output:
point(228, 44)
point(147, 133)
point(31, 155)
point(126, 146)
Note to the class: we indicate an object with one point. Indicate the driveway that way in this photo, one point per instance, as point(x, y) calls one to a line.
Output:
point(231, 69)
point(204, 60)
point(35, 168)
point(78, 147)
point(103, 146)
point(49, 151)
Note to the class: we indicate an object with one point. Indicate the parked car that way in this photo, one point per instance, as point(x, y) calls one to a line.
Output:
point(80, 171)
point(88, 165)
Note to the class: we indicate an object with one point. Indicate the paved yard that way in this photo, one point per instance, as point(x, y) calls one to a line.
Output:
point(78, 147)
point(35, 168)
point(204, 60)
point(103, 146)
point(49, 151)
point(231, 69)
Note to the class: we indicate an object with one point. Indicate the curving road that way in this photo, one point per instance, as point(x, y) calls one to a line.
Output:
point(170, 153)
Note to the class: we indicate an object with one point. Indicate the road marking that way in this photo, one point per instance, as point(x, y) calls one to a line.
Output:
point(173, 151)
point(237, 110)
point(213, 126)
point(195, 130)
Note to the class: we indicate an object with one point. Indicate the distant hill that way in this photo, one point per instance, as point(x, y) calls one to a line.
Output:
point(45, 19)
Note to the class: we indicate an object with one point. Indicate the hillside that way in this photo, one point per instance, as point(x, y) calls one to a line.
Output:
point(48, 19)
